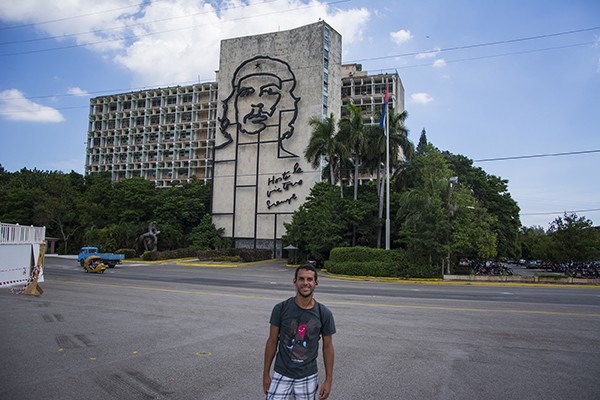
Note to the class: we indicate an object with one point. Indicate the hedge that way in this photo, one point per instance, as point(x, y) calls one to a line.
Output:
point(129, 253)
point(366, 261)
point(246, 255)
point(169, 254)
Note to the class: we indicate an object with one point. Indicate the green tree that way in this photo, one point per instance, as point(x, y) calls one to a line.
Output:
point(573, 238)
point(324, 140)
point(57, 207)
point(352, 133)
point(401, 150)
point(206, 235)
point(534, 243)
point(317, 225)
point(133, 200)
point(492, 193)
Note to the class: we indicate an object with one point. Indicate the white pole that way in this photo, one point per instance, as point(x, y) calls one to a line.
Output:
point(387, 171)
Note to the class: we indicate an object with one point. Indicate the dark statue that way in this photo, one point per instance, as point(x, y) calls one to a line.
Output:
point(149, 240)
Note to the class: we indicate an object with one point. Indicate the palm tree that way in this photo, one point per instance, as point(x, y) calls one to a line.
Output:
point(352, 130)
point(401, 151)
point(324, 140)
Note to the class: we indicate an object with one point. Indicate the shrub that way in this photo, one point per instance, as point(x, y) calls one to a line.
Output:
point(366, 261)
point(150, 255)
point(368, 268)
point(227, 258)
point(246, 255)
point(129, 253)
point(169, 254)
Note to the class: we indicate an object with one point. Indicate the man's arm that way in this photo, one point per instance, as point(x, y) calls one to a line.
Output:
point(328, 362)
point(270, 351)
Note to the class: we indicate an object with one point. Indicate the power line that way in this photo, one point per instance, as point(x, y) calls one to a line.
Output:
point(514, 53)
point(471, 46)
point(125, 90)
point(76, 16)
point(570, 153)
point(160, 32)
point(123, 27)
point(561, 212)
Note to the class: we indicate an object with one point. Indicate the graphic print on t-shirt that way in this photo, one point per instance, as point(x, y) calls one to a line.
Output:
point(300, 337)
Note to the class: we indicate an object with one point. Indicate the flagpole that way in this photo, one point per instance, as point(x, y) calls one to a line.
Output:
point(387, 171)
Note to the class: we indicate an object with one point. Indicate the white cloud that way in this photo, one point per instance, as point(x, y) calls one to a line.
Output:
point(15, 107)
point(76, 91)
point(421, 98)
point(439, 63)
point(175, 41)
point(401, 36)
point(428, 54)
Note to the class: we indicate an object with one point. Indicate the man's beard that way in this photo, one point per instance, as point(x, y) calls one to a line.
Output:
point(306, 295)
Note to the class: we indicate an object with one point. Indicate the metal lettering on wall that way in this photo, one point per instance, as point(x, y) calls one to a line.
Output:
point(279, 187)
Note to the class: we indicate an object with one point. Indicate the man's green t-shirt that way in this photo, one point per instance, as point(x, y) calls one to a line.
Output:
point(299, 334)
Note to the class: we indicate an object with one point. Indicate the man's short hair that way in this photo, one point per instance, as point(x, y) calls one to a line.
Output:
point(307, 267)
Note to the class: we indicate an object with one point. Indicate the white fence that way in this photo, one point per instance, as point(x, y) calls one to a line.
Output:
point(21, 251)
point(17, 234)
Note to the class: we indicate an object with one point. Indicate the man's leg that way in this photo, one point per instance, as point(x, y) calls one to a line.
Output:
point(306, 388)
point(281, 387)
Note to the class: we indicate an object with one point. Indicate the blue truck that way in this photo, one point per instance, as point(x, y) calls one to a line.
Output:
point(109, 259)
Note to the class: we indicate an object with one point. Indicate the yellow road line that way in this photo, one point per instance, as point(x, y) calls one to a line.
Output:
point(341, 303)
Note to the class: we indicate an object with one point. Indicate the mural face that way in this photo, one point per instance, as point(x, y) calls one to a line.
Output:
point(256, 102)
point(263, 101)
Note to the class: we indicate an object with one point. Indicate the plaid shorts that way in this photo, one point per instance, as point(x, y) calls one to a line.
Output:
point(282, 387)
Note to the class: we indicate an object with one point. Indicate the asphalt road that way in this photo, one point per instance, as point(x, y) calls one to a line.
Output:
point(166, 331)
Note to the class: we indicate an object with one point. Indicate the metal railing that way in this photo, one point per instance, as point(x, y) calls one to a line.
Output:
point(17, 234)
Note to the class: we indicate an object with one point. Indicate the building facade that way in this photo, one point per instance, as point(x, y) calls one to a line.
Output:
point(163, 135)
point(368, 92)
point(246, 132)
point(269, 87)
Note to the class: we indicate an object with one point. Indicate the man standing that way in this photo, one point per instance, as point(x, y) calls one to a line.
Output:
point(296, 326)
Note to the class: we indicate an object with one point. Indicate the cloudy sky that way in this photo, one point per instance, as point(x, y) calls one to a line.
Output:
point(514, 85)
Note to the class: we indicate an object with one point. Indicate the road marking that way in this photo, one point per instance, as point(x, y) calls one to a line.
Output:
point(342, 303)
point(507, 293)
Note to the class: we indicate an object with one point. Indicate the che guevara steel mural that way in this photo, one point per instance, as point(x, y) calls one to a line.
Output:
point(257, 118)
point(262, 98)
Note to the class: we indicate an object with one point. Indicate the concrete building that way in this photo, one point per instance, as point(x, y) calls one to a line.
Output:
point(368, 92)
point(246, 132)
point(269, 87)
point(164, 134)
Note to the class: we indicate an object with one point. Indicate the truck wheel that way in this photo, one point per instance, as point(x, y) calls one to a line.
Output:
point(82, 263)
point(111, 265)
